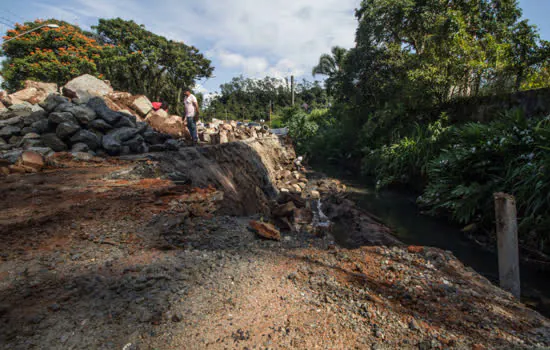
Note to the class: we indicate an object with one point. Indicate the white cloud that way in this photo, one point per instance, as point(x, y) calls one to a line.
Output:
point(244, 36)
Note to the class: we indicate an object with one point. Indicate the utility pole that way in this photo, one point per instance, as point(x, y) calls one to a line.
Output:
point(292, 88)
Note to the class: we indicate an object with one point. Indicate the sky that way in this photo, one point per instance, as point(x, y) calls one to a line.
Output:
point(254, 38)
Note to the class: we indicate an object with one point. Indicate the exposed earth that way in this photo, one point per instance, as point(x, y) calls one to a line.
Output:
point(155, 252)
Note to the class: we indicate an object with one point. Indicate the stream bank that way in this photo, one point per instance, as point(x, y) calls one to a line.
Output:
point(399, 211)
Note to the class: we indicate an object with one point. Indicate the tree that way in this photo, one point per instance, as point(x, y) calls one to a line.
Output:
point(331, 66)
point(142, 62)
point(49, 54)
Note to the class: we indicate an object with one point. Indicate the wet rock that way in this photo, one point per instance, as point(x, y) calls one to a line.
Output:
point(87, 137)
point(265, 230)
point(66, 130)
point(54, 142)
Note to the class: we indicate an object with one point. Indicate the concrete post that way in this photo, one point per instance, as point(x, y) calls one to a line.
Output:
point(507, 237)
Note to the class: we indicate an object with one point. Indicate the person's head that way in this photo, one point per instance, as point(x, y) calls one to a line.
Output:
point(187, 91)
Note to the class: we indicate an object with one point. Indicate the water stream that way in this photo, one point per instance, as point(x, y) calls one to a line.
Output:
point(399, 212)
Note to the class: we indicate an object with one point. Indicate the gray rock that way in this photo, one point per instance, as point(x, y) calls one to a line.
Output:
point(9, 130)
point(80, 147)
point(126, 121)
point(36, 109)
point(14, 140)
point(84, 85)
point(52, 101)
point(45, 151)
point(83, 156)
point(100, 125)
point(10, 121)
point(83, 114)
point(137, 144)
point(89, 138)
point(62, 117)
point(125, 150)
point(112, 142)
point(12, 156)
point(66, 130)
point(157, 148)
point(171, 145)
point(142, 127)
point(2, 141)
point(34, 117)
point(31, 136)
point(155, 138)
point(100, 107)
point(27, 130)
point(41, 126)
point(28, 143)
point(62, 107)
point(52, 141)
point(21, 109)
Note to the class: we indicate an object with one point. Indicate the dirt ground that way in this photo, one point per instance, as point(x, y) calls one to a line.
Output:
point(92, 261)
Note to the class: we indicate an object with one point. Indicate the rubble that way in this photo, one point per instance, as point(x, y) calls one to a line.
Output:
point(265, 230)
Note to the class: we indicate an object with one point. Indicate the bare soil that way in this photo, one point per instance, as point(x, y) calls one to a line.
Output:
point(96, 256)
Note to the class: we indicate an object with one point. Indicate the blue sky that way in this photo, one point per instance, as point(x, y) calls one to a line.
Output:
point(250, 37)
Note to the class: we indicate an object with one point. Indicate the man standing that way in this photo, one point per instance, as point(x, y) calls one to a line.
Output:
point(191, 113)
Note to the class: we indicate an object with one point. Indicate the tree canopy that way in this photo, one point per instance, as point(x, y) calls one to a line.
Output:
point(140, 61)
point(48, 54)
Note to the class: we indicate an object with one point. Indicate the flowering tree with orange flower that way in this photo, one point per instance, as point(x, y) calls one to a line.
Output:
point(48, 54)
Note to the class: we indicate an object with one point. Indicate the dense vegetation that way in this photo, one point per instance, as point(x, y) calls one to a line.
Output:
point(413, 57)
point(132, 58)
point(253, 99)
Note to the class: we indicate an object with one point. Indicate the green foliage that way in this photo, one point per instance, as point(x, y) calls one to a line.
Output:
point(252, 99)
point(509, 155)
point(405, 162)
point(48, 54)
point(142, 62)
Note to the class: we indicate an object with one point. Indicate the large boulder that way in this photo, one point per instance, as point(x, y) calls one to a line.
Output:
point(161, 121)
point(62, 117)
point(83, 114)
point(66, 130)
point(126, 121)
point(137, 144)
point(142, 105)
point(89, 138)
point(155, 138)
point(113, 140)
point(52, 101)
point(103, 111)
point(85, 87)
point(52, 141)
point(100, 125)
point(48, 88)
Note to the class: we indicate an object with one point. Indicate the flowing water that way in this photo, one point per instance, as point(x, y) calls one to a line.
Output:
point(399, 212)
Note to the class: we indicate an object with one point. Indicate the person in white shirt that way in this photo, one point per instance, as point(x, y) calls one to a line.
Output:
point(191, 113)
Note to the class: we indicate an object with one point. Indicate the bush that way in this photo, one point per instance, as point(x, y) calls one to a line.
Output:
point(405, 162)
point(509, 155)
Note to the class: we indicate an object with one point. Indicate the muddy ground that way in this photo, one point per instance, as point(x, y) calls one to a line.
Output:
point(92, 259)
